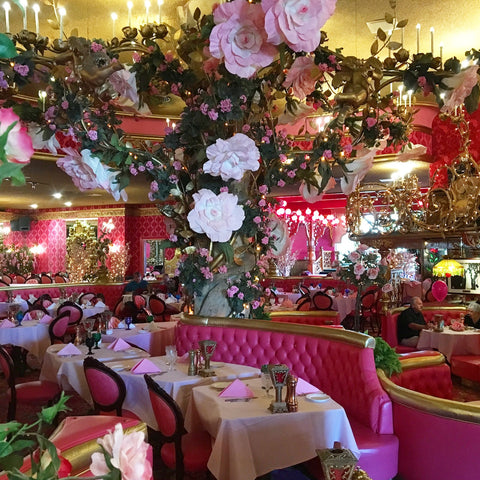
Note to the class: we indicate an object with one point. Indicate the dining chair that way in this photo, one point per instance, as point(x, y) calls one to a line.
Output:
point(158, 307)
point(32, 279)
point(6, 279)
point(321, 301)
point(59, 278)
point(76, 312)
point(20, 278)
point(368, 315)
point(181, 451)
point(38, 393)
point(58, 328)
point(305, 304)
point(35, 309)
point(44, 300)
point(125, 309)
point(44, 278)
point(107, 389)
point(303, 290)
point(86, 297)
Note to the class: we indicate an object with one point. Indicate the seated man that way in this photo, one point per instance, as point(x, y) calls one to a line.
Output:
point(137, 284)
point(472, 318)
point(411, 323)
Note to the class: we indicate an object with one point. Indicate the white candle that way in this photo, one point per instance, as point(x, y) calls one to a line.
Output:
point(441, 52)
point(409, 93)
point(405, 101)
point(114, 17)
point(129, 6)
point(400, 90)
point(432, 31)
point(6, 8)
point(36, 9)
point(61, 12)
point(24, 4)
point(159, 3)
point(147, 7)
point(42, 94)
point(418, 38)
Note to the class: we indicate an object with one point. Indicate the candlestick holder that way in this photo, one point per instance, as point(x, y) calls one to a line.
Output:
point(278, 374)
point(207, 347)
point(337, 462)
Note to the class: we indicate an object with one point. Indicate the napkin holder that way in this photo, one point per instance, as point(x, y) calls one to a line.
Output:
point(207, 347)
point(278, 374)
point(337, 462)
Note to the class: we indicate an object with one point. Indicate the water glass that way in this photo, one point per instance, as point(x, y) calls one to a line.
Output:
point(266, 383)
point(171, 352)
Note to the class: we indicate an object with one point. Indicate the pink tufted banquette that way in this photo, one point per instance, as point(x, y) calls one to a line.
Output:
point(389, 321)
point(338, 362)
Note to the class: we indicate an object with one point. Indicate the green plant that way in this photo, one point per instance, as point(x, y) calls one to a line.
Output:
point(386, 357)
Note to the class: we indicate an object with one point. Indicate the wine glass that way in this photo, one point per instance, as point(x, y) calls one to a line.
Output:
point(266, 383)
point(171, 352)
point(89, 342)
point(97, 336)
point(128, 322)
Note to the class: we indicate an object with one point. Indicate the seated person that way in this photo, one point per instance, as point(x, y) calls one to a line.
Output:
point(472, 318)
point(411, 323)
point(137, 284)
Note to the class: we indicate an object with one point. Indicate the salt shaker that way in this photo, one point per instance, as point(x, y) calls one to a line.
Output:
point(192, 366)
point(291, 397)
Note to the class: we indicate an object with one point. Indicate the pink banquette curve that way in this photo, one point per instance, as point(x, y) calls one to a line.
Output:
point(339, 362)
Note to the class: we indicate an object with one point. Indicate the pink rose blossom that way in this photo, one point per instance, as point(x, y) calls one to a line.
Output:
point(362, 248)
point(128, 454)
point(245, 128)
point(222, 269)
point(255, 304)
point(371, 122)
point(240, 39)
point(173, 238)
point(302, 77)
point(281, 183)
point(358, 269)
point(372, 273)
point(213, 114)
point(226, 105)
point(257, 220)
point(232, 291)
point(354, 256)
point(223, 189)
point(18, 148)
point(263, 189)
point(462, 85)
point(241, 296)
point(262, 202)
point(231, 158)
point(218, 216)
point(387, 288)
point(296, 22)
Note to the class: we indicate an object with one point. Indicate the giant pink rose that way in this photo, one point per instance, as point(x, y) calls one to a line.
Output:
point(18, 147)
point(128, 454)
point(231, 158)
point(296, 22)
point(311, 194)
point(217, 216)
point(461, 84)
point(302, 77)
point(240, 38)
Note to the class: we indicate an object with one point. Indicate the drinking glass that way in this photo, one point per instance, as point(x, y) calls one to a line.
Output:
point(266, 383)
point(97, 336)
point(89, 342)
point(171, 352)
point(128, 322)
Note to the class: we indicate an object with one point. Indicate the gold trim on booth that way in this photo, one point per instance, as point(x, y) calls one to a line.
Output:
point(432, 360)
point(304, 313)
point(336, 334)
point(432, 405)
point(439, 307)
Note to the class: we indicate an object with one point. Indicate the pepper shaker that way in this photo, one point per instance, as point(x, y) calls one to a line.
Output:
point(291, 398)
point(192, 367)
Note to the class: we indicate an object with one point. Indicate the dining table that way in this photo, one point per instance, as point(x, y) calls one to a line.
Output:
point(32, 335)
point(67, 371)
point(250, 441)
point(343, 304)
point(151, 337)
point(451, 342)
point(174, 380)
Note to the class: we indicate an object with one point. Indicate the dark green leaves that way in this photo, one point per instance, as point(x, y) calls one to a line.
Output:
point(7, 48)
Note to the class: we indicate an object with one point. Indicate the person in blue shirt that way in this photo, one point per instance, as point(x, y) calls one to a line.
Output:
point(137, 284)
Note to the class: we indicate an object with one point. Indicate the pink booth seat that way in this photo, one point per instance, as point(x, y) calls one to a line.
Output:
point(337, 361)
point(466, 366)
point(312, 317)
point(389, 322)
point(76, 440)
point(434, 435)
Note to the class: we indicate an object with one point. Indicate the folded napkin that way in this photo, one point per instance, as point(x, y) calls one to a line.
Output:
point(30, 316)
point(32, 298)
point(183, 358)
point(69, 349)
point(45, 319)
point(304, 388)
point(51, 307)
point(287, 303)
point(7, 324)
point(145, 366)
point(113, 322)
point(23, 303)
point(100, 304)
point(237, 389)
point(119, 345)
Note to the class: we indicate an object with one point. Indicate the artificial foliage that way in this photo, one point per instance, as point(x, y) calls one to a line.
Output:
point(386, 357)
point(16, 259)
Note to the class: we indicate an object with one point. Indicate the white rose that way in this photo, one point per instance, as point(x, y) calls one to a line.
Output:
point(231, 158)
point(216, 215)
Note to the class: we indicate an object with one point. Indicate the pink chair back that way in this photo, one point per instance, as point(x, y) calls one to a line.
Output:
point(321, 301)
point(75, 311)
point(58, 327)
point(139, 301)
point(32, 280)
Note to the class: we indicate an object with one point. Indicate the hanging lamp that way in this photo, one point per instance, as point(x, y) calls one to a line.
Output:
point(448, 267)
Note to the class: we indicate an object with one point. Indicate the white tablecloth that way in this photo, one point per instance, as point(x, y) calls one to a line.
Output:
point(343, 305)
point(31, 335)
point(176, 383)
point(250, 441)
point(152, 339)
point(68, 371)
point(450, 342)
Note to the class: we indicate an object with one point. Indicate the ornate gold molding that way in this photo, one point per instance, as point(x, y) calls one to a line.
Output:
point(79, 214)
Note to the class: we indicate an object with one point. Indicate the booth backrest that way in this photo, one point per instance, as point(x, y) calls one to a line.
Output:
point(309, 317)
point(426, 372)
point(339, 362)
point(389, 321)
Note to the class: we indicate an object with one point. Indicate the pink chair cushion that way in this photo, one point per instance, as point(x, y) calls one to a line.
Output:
point(33, 393)
point(466, 366)
point(103, 388)
point(196, 448)
point(167, 423)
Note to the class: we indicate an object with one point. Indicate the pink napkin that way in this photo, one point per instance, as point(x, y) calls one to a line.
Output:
point(237, 389)
point(113, 323)
point(45, 319)
point(28, 317)
point(119, 345)
point(69, 349)
point(304, 388)
point(183, 358)
point(7, 324)
point(145, 366)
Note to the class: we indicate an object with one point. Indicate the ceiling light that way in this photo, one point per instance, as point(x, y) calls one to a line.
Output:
point(57, 195)
point(33, 205)
point(68, 204)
